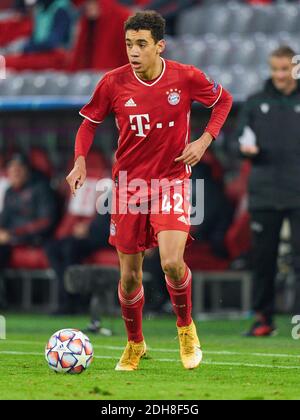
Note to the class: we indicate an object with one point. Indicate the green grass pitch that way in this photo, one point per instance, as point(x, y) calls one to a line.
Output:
point(233, 367)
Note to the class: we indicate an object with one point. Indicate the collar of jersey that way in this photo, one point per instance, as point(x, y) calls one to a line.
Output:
point(157, 80)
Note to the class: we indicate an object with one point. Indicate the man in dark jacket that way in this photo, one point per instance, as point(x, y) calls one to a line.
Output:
point(270, 135)
point(48, 24)
point(29, 209)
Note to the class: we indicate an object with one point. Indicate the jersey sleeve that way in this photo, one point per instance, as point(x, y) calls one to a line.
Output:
point(203, 89)
point(100, 104)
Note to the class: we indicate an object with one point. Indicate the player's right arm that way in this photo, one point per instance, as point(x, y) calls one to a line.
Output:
point(93, 113)
point(84, 140)
point(77, 176)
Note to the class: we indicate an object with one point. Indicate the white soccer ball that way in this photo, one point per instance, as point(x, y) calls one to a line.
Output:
point(69, 351)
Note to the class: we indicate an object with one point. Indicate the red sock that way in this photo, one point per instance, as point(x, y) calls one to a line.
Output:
point(132, 312)
point(181, 298)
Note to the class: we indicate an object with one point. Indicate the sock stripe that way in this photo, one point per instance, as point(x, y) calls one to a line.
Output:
point(182, 285)
point(130, 302)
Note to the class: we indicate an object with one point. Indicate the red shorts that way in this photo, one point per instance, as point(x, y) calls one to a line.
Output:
point(169, 210)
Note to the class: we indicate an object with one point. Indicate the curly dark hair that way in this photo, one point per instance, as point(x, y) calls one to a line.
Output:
point(148, 20)
point(283, 51)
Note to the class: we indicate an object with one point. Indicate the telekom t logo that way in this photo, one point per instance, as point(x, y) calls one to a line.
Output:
point(139, 127)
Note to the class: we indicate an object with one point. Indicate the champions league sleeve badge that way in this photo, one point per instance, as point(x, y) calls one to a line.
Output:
point(211, 81)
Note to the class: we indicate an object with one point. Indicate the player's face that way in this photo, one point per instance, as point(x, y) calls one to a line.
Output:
point(282, 72)
point(17, 174)
point(142, 50)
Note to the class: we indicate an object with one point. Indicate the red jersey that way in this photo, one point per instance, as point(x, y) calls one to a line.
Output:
point(153, 118)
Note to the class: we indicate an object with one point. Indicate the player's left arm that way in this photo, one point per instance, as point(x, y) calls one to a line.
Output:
point(212, 96)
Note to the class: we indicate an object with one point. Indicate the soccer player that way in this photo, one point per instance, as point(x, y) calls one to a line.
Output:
point(151, 99)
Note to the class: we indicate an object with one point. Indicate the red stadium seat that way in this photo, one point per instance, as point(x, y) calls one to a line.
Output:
point(28, 258)
point(216, 168)
point(237, 188)
point(108, 257)
point(6, 4)
point(238, 237)
point(14, 28)
point(199, 257)
point(40, 161)
point(53, 60)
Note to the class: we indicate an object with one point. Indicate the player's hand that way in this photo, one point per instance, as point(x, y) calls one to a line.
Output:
point(194, 151)
point(249, 150)
point(77, 176)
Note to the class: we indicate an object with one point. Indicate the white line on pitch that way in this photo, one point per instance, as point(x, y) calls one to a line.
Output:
point(19, 353)
point(221, 353)
point(216, 353)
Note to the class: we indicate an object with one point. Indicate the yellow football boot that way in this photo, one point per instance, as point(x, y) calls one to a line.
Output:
point(190, 349)
point(131, 356)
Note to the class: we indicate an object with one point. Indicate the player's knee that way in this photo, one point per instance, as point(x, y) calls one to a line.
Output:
point(172, 267)
point(131, 280)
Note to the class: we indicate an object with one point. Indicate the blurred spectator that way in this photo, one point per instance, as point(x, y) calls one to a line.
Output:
point(29, 209)
point(269, 135)
point(169, 9)
point(52, 26)
point(50, 37)
point(29, 214)
point(101, 44)
point(87, 238)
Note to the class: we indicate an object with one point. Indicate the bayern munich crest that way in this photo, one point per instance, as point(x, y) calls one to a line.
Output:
point(174, 96)
point(113, 229)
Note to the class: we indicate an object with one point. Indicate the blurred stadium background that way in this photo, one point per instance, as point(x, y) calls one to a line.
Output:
point(39, 103)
